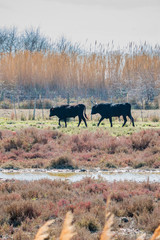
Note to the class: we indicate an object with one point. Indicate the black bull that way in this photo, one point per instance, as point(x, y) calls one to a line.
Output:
point(109, 110)
point(66, 111)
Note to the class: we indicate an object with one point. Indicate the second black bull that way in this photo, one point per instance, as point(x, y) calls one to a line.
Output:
point(109, 110)
point(66, 111)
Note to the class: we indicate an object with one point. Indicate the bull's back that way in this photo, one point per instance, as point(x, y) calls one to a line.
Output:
point(118, 110)
point(76, 110)
point(71, 111)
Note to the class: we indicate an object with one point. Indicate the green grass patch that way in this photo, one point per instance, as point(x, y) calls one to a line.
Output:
point(72, 128)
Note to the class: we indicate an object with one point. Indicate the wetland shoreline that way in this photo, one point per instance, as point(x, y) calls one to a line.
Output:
point(75, 175)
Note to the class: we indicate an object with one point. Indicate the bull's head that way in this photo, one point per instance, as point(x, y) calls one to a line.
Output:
point(51, 112)
point(94, 109)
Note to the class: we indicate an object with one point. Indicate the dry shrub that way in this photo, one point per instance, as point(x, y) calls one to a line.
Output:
point(20, 235)
point(62, 163)
point(56, 134)
point(12, 143)
point(23, 117)
point(83, 142)
point(33, 155)
point(112, 145)
point(143, 139)
point(27, 138)
point(155, 118)
point(10, 165)
point(135, 206)
point(19, 211)
point(46, 104)
point(87, 141)
point(149, 220)
point(89, 222)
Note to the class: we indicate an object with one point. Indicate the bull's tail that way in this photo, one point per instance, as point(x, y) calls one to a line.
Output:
point(129, 113)
point(84, 112)
point(128, 108)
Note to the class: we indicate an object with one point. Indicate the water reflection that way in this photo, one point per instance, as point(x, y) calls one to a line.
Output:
point(77, 176)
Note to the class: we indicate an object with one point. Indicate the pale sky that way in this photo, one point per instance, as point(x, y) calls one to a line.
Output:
point(80, 20)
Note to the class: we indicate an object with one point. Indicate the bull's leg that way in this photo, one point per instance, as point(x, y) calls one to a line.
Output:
point(65, 120)
point(125, 120)
point(80, 119)
point(132, 119)
point(84, 121)
point(110, 119)
point(101, 119)
point(59, 122)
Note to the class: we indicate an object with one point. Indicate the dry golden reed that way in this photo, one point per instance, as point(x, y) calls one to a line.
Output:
point(156, 234)
point(42, 233)
point(73, 71)
point(141, 237)
point(107, 233)
point(68, 230)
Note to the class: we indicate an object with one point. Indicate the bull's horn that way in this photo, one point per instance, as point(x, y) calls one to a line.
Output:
point(93, 102)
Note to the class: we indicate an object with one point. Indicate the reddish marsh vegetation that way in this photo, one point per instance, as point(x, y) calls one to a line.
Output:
point(25, 206)
point(43, 148)
point(52, 149)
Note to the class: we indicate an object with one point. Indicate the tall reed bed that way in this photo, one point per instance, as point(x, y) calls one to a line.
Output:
point(110, 74)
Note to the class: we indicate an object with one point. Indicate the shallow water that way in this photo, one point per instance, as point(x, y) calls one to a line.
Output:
point(153, 176)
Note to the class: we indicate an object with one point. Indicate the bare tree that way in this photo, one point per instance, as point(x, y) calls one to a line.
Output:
point(9, 40)
point(33, 41)
point(63, 45)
